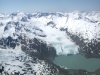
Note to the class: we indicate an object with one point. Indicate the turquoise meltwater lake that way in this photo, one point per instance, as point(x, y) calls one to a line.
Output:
point(78, 62)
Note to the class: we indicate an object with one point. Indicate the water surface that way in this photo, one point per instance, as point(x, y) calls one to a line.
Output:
point(78, 62)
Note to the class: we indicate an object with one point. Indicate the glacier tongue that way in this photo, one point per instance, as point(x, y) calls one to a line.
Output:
point(59, 40)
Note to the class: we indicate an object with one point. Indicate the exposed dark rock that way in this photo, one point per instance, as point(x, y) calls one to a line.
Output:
point(51, 23)
point(36, 47)
point(8, 42)
point(24, 19)
point(88, 49)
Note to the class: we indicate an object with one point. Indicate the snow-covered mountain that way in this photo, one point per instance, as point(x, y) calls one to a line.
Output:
point(39, 25)
point(35, 37)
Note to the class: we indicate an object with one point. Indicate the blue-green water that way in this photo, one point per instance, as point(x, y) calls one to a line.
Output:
point(78, 62)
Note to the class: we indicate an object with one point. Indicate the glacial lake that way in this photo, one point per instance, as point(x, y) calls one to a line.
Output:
point(78, 62)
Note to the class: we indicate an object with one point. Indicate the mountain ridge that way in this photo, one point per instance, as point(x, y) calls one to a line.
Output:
point(43, 36)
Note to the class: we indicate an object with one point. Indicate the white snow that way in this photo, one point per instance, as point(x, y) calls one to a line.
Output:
point(15, 60)
point(77, 23)
point(8, 59)
point(59, 40)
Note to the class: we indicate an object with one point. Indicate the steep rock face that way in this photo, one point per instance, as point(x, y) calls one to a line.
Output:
point(34, 47)
point(88, 49)
point(38, 48)
point(8, 42)
point(84, 29)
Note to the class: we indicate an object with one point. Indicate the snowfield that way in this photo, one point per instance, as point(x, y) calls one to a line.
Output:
point(17, 61)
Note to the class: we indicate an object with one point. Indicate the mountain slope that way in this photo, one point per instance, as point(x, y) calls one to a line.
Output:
point(30, 41)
